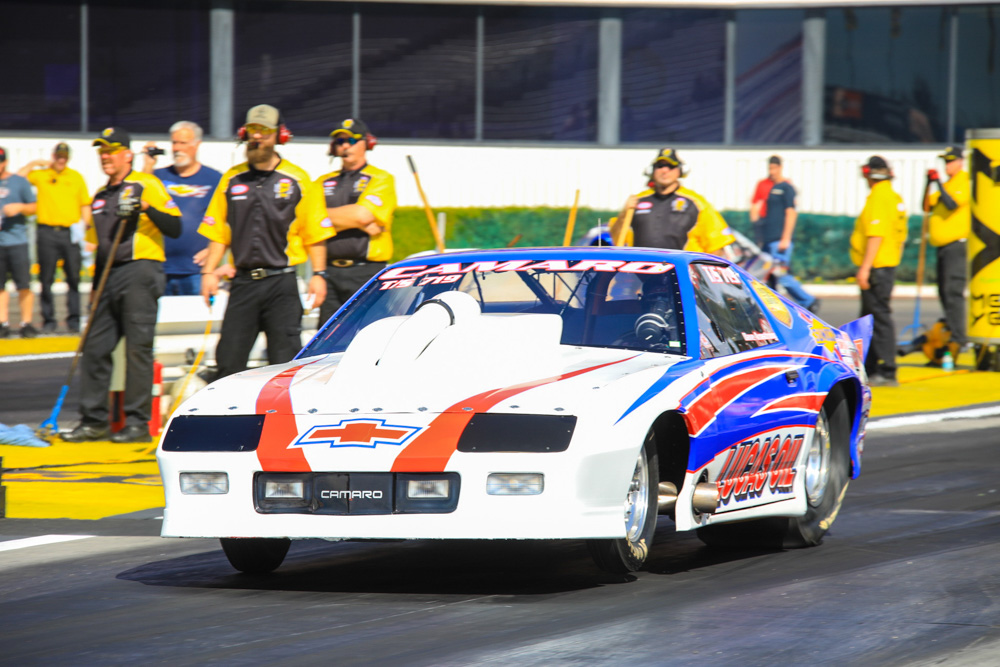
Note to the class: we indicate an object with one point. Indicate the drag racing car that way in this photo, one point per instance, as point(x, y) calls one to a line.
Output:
point(546, 393)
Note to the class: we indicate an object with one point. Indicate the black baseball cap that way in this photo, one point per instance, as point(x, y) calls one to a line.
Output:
point(355, 127)
point(951, 153)
point(774, 159)
point(61, 148)
point(877, 162)
point(113, 136)
point(3, 155)
point(668, 156)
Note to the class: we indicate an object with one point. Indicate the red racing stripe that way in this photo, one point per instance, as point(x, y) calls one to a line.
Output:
point(799, 402)
point(431, 450)
point(280, 430)
point(702, 412)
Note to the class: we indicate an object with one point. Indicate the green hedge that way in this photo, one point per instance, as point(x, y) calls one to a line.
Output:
point(821, 241)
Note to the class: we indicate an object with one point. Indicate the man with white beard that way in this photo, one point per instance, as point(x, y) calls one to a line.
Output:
point(191, 185)
point(272, 217)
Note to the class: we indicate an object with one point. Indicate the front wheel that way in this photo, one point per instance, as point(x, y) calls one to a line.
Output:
point(826, 472)
point(255, 555)
point(628, 554)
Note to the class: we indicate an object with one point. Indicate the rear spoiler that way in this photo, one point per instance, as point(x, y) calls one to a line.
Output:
point(860, 331)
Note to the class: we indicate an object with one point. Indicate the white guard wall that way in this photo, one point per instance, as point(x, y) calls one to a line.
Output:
point(828, 180)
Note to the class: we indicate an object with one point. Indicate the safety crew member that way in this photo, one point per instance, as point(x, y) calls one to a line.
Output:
point(360, 200)
point(127, 305)
point(949, 224)
point(272, 217)
point(63, 201)
point(876, 249)
point(669, 215)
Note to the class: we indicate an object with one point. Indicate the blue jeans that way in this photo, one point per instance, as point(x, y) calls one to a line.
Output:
point(788, 281)
point(180, 284)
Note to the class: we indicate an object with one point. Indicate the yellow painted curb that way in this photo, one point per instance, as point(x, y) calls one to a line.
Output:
point(926, 389)
point(80, 500)
point(43, 345)
point(91, 480)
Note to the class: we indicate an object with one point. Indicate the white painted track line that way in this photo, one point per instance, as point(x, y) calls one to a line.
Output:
point(41, 540)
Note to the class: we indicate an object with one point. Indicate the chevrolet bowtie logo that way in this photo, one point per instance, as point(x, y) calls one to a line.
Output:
point(357, 433)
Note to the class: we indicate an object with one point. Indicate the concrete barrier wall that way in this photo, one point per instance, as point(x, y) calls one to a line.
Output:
point(828, 180)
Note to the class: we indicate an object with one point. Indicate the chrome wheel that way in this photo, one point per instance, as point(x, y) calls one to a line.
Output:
point(818, 463)
point(637, 501)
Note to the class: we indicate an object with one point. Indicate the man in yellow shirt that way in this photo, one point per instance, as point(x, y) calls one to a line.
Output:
point(876, 248)
point(669, 215)
point(949, 225)
point(62, 202)
point(360, 200)
point(138, 207)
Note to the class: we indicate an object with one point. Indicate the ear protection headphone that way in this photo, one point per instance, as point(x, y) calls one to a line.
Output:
point(867, 172)
point(370, 139)
point(284, 134)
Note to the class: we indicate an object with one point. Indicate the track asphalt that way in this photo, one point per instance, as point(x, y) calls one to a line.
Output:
point(103, 479)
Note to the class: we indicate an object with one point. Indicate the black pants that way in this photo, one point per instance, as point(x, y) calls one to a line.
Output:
point(270, 305)
point(342, 283)
point(951, 261)
point(52, 244)
point(881, 357)
point(127, 308)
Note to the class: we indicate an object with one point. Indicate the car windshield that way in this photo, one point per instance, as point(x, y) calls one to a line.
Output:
point(629, 305)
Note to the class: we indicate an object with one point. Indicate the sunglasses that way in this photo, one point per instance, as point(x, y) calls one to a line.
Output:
point(260, 129)
point(110, 150)
point(661, 165)
point(346, 140)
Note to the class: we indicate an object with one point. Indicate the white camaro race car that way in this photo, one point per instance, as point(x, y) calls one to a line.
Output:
point(547, 393)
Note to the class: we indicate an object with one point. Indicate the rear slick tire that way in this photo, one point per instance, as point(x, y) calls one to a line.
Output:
point(827, 471)
point(628, 554)
point(255, 555)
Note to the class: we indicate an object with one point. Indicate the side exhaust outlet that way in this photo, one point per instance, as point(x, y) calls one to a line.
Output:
point(668, 497)
point(706, 498)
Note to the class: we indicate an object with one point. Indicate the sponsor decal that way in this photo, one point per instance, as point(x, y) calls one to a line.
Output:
point(773, 303)
point(757, 337)
point(643, 205)
point(612, 266)
point(822, 334)
point(765, 461)
point(326, 222)
point(185, 190)
point(126, 193)
point(108, 131)
point(361, 432)
point(208, 220)
point(4, 192)
point(283, 188)
point(96, 206)
point(362, 183)
point(375, 199)
point(171, 204)
point(679, 205)
point(239, 189)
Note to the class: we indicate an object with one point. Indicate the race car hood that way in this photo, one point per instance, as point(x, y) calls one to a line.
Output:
point(425, 364)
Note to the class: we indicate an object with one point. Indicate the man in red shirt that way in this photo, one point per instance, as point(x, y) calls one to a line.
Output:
point(773, 214)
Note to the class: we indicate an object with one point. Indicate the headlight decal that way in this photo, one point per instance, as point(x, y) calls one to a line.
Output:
point(498, 432)
point(213, 433)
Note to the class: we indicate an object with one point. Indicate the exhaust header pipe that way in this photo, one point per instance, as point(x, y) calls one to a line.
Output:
point(668, 497)
point(706, 498)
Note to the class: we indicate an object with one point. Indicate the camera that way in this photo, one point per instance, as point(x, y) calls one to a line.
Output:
point(154, 151)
